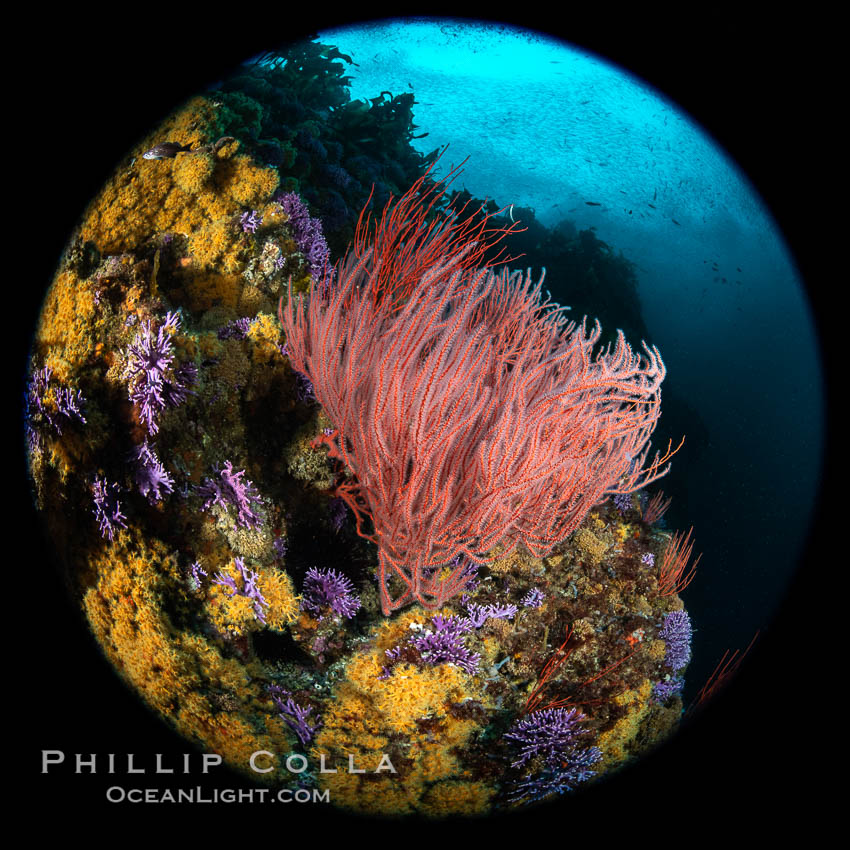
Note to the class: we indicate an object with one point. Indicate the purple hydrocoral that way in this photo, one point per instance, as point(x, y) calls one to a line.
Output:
point(479, 614)
point(195, 573)
point(533, 599)
point(558, 779)
point(552, 737)
point(338, 513)
point(250, 221)
point(281, 546)
point(149, 359)
point(227, 488)
point(39, 381)
point(177, 390)
point(68, 404)
point(676, 634)
point(623, 502)
point(444, 645)
point(249, 587)
point(662, 691)
point(326, 588)
point(107, 508)
point(150, 475)
point(307, 232)
point(294, 715)
point(237, 329)
point(304, 388)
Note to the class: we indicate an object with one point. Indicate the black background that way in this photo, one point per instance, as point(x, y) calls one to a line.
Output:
point(82, 90)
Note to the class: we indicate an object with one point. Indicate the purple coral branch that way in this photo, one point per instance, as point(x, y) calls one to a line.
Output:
point(150, 475)
point(308, 235)
point(195, 573)
point(324, 589)
point(444, 645)
point(237, 329)
point(533, 599)
point(551, 737)
point(151, 382)
point(69, 406)
point(479, 614)
point(294, 715)
point(250, 221)
point(107, 508)
point(676, 633)
point(227, 488)
point(441, 644)
point(249, 588)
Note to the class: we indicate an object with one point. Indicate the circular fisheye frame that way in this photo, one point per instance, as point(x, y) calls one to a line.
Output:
point(387, 451)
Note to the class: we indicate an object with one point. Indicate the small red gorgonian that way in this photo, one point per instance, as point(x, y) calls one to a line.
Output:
point(470, 411)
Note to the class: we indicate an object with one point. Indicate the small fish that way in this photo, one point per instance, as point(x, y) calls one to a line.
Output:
point(593, 204)
point(165, 150)
point(168, 150)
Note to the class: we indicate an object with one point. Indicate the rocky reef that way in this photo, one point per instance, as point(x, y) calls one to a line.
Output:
point(175, 461)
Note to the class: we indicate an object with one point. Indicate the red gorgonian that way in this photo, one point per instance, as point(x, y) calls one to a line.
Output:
point(472, 414)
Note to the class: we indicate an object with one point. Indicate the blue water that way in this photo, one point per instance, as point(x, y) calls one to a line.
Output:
point(552, 127)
